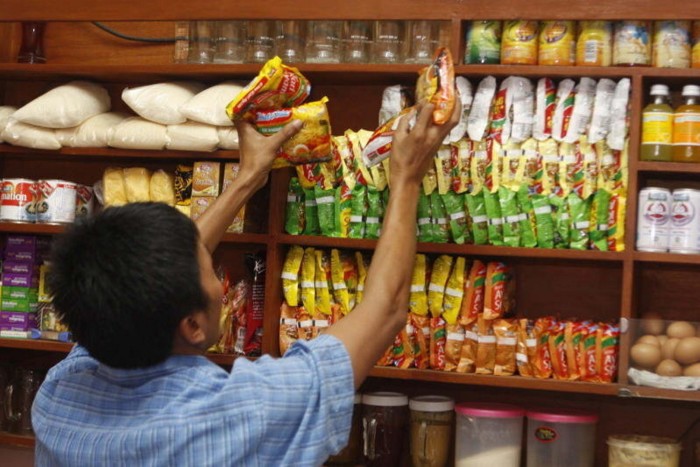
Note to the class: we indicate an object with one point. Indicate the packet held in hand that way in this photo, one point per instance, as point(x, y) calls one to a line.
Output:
point(436, 85)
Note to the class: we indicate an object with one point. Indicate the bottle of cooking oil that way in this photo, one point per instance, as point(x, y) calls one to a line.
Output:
point(657, 126)
point(686, 127)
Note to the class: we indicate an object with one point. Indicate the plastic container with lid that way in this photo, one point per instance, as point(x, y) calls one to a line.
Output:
point(488, 435)
point(385, 424)
point(640, 451)
point(561, 438)
point(432, 418)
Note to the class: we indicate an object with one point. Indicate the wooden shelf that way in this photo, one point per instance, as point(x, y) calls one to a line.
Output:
point(667, 258)
point(496, 381)
point(33, 229)
point(669, 167)
point(454, 249)
point(9, 439)
point(545, 71)
point(114, 153)
point(246, 238)
point(37, 344)
point(658, 393)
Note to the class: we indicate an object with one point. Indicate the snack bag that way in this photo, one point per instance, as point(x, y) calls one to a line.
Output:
point(306, 324)
point(602, 111)
point(572, 338)
point(357, 143)
point(616, 221)
point(580, 211)
point(308, 278)
point(544, 221)
point(500, 123)
point(441, 229)
point(311, 144)
point(311, 222)
point(347, 159)
point(599, 220)
point(486, 351)
point(619, 125)
point(358, 209)
point(544, 109)
point(430, 181)
point(461, 178)
point(444, 166)
point(467, 358)
point(465, 99)
point(522, 108)
point(506, 331)
point(493, 212)
point(294, 212)
point(477, 168)
point(340, 288)
point(454, 205)
point(557, 350)
point(183, 185)
point(290, 275)
point(325, 205)
point(526, 348)
point(498, 292)
point(473, 302)
point(394, 100)
point(453, 346)
point(438, 281)
point(510, 215)
point(343, 210)
point(375, 213)
point(276, 86)
point(378, 147)
point(289, 329)
point(438, 339)
point(407, 336)
point(564, 108)
point(478, 122)
point(494, 165)
point(436, 85)
point(421, 325)
point(582, 111)
point(362, 266)
point(562, 221)
point(607, 350)
point(589, 366)
point(454, 292)
point(350, 276)
point(479, 220)
point(418, 299)
point(542, 363)
point(425, 220)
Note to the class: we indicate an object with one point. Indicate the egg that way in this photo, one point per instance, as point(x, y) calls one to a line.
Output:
point(646, 355)
point(668, 349)
point(688, 351)
point(648, 339)
point(669, 368)
point(652, 323)
point(692, 370)
point(680, 329)
point(663, 338)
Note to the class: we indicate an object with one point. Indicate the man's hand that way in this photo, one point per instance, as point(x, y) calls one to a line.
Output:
point(257, 151)
point(412, 150)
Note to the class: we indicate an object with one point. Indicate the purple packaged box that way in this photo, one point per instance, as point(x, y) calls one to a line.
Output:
point(9, 318)
point(16, 327)
point(20, 280)
point(21, 242)
point(20, 256)
point(14, 267)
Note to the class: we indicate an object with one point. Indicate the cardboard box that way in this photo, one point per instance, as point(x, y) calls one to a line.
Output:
point(19, 293)
point(19, 305)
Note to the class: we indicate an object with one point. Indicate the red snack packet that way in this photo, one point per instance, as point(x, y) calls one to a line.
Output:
point(436, 85)
point(473, 302)
point(542, 364)
point(438, 339)
point(254, 312)
point(421, 326)
point(607, 339)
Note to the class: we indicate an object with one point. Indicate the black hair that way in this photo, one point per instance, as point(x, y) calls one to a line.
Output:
point(123, 280)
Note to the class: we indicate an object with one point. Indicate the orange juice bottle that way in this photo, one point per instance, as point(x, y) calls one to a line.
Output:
point(686, 127)
point(657, 127)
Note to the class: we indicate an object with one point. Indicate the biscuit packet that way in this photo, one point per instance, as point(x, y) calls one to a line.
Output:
point(453, 346)
point(506, 331)
point(362, 265)
point(358, 209)
point(325, 205)
point(311, 223)
point(454, 292)
point(467, 356)
point(438, 281)
point(476, 208)
point(421, 325)
point(441, 229)
point(425, 219)
point(436, 85)
point(289, 329)
point(526, 348)
point(276, 86)
point(486, 350)
point(290, 275)
point(438, 340)
point(343, 210)
point(473, 301)
point(294, 211)
point(542, 363)
point(375, 214)
point(307, 279)
point(418, 299)
point(457, 215)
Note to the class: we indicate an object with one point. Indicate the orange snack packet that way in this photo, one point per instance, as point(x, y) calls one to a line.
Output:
point(407, 346)
point(506, 331)
point(542, 364)
point(572, 335)
point(320, 323)
point(607, 339)
point(526, 348)
point(305, 324)
point(557, 350)
point(438, 338)
point(289, 329)
point(453, 346)
point(473, 302)
point(421, 326)
point(498, 295)
point(588, 365)
point(436, 85)
point(467, 358)
point(486, 351)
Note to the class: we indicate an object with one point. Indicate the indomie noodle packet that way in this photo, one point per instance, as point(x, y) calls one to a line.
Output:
point(290, 275)
point(294, 212)
point(438, 280)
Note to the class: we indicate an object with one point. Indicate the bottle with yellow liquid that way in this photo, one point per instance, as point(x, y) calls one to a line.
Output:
point(657, 127)
point(686, 127)
point(594, 45)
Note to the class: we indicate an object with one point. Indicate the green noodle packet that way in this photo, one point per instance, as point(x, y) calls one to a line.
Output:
point(375, 213)
point(528, 225)
point(562, 221)
point(311, 226)
point(454, 205)
point(343, 208)
point(580, 221)
point(294, 211)
point(476, 209)
point(358, 208)
point(543, 220)
point(493, 212)
point(425, 219)
point(511, 216)
point(599, 220)
point(325, 204)
point(441, 229)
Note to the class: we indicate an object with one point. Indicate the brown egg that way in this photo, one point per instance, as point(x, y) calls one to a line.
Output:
point(668, 350)
point(692, 370)
point(663, 338)
point(680, 329)
point(649, 339)
point(688, 351)
point(669, 368)
point(652, 323)
point(646, 355)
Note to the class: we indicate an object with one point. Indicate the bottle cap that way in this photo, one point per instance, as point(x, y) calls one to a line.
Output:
point(691, 90)
point(659, 90)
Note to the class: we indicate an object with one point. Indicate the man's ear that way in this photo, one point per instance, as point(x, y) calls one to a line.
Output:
point(191, 329)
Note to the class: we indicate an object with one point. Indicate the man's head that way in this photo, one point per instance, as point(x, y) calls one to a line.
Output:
point(127, 279)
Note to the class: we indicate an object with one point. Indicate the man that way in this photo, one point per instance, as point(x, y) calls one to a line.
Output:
point(137, 288)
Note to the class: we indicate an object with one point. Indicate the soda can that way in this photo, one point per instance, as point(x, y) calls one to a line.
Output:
point(685, 222)
point(653, 219)
point(18, 198)
point(56, 204)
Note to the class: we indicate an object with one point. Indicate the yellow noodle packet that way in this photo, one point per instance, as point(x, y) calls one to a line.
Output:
point(340, 288)
point(290, 275)
point(590, 168)
point(418, 299)
point(347, 159)
point(361, 275)
point(461, 178)
point(323, 295)
point(512, 156)
point(567, 167)
point(308, 276)
point(494, 165)
point(362, 173)
point(454, 292)
point(350, 278)
point(438, 280)
point(443, 169)
point(430, 182)
point(550, 160)
point(477, 167)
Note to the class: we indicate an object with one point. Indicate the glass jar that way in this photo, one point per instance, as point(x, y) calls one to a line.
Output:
point(432, 418)
point(384, 424)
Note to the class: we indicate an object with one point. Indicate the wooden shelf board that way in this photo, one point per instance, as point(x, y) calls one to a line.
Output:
point(451, 248)
point(548, 71)
point(496, 381)
point(658, 393)
point(669, 167)
point(667, 258)
point(222, 359)
point(115, 153)
point(36, 344)
point(10, 439)
point(34, 229)
point(246, 238)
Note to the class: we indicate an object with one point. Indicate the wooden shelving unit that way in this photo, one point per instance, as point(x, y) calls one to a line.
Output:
point(9, 439)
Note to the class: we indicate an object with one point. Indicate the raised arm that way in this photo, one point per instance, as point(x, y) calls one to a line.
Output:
point(372, 325)
point(256, 155)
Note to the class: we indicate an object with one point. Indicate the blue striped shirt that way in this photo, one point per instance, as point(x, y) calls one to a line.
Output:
point(187, 411)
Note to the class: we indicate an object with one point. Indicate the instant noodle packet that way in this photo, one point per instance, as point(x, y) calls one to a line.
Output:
point(486, 350)
point(438, 281)
point(290, 275)
point(418, 299)
point(340, 288)
point(294, 211)
point(506, 331)
point(362, 266)
point(436, 85)
point(441, 229)
point(499, 129)
point(454, 292)
point(476, 208)
point(289, 329)
point(350, 277)
point(453, 346)
point(325, 205)
point(407, 336)
point(375, 213)
point(311, 224)
point(343, 210)
point(308, 277)
point(358, 209)
point(421, 325)
point(425, 219)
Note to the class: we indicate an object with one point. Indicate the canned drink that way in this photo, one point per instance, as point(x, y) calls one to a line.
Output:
point(18, 198)
point(653, 219)
point(84, 201)
point(56, 203)
point(685, 222)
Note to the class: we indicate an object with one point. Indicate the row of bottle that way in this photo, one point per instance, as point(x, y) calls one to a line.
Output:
point(669, 135)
